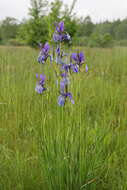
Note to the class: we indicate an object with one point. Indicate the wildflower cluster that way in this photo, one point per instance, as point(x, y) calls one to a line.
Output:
point(65, 68)
point(60, 35)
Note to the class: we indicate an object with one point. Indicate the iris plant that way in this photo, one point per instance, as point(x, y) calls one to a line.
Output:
point(66, 66)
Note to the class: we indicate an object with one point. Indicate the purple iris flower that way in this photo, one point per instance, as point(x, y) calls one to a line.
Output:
point(40, 84)
point(41, 59)
point(75, 68)
point(78, 58)
point(46, 48)
point(60, 35)
point(39, 89)
point(74, 56)
point(64, 95)
point(60, 27)
point(67, 67)
point(62, 98)
point(62, 86)
point(44, 54)
point(66, 37)
point(42, 79)
point(66, 80)
point(57, 37)
point(70, 67)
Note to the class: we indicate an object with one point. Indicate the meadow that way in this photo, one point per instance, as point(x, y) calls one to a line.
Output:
point(47, 147)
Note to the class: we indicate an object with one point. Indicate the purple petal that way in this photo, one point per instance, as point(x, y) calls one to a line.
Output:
point(86, 68)
point(66, 67)
point(75, 68)
point(74, 56)
point(66, 37)
point(81, 57)
point(61, 37)
point(62, 86)
point(68, 94)
point(56, 37)
point(58, 50)
point(42, 79)
point(41, 59)
point(66, 80)
point(39, 89)
point(60, 27)
point(46, 48)
point(61, 100)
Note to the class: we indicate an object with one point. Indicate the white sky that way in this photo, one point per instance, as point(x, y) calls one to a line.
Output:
point(99, 10)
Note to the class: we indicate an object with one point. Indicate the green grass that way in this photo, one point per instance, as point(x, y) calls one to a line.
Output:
point(80, 146)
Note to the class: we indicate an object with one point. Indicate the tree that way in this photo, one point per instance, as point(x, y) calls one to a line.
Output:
point(35, 29)
point(85, 27)
point(121, 32)
point(8, 29)
point(38, 8)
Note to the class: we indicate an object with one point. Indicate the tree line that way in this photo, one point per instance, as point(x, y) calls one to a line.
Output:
point(42, 18)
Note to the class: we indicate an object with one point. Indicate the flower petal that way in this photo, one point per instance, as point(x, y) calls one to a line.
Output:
point(61, 100)
point(66, 37)
point(69, 95)
point(58, 50)
point(39, 89)
point(62, 86)
point(75, 68)
point(46, 48)
point(81, 57)
point(60, 27)
point(74, 56)
point(42, 77)
point(86, 68)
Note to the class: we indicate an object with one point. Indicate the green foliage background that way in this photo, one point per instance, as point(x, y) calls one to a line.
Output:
point(42, 17)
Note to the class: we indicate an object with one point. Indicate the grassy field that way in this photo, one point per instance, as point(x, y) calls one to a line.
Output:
point(47, 147)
